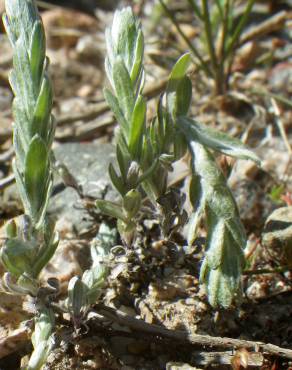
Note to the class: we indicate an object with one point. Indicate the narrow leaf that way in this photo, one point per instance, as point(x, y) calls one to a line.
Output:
point(45, 254)
point(197, 200)
point(117, 111)
point(41, 116)
point(216, 140)
point(176, 77)
point(36, 174)
point(137, 128)
point(76, 296)
point(183, 96)
point(37, 52)
point(180, 146)
point(178, 72)
point(132, 202)
point(111, 209)
point(137, 58)
point(123, 157)
point(116, 180)
point(123, 88)
point(21, 187)
point(16, 256)
point(215, 242)
point(23, 77)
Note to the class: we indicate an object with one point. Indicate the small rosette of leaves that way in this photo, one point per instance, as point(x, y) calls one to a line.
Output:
point(34, 125)
point(25, 252)
point(84, 291)
point(42, 339)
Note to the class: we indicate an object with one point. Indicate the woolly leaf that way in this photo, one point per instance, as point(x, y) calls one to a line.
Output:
point(216, 140)
point(111, 209)
point(37, 51)
point(224, 259)
point(36, 174)
point(123, 88)
point(178, 83)
point(42, 113)
point(117, 111)
point(116, 180)
point(137, 128)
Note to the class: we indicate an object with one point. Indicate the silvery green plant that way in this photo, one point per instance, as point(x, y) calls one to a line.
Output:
point(145, 154)
point(138, 160)
point(124, 68)
point(83, 292)
point(31, 239)
point(209, 194)
point(42, 339)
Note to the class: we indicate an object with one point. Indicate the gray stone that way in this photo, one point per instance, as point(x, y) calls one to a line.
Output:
point(87, 6)
point(180, 366)
point(88, 163)
point(277, 235)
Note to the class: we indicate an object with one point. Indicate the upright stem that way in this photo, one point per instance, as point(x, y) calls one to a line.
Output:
point(238, 29)
point(201, 63)
point(196, 9)
point(222, 45)
point(219, 85)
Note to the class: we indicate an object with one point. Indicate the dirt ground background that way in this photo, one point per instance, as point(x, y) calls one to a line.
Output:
point(158, 281)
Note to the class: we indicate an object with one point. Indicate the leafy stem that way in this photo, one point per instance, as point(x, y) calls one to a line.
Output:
point(31, 239)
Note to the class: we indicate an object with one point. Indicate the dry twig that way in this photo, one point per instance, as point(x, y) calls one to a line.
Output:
point(14, 341)
point(274, 23)
point(102, 107)
point(7, 155)
point(6, 181)
point(194, 339)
